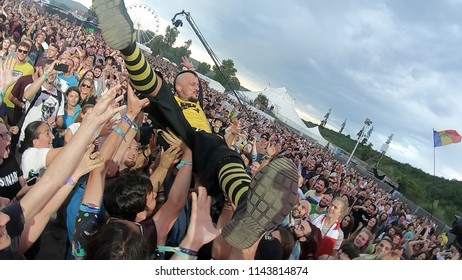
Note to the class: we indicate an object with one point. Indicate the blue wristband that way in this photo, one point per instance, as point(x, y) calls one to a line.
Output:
point(131, 123)
point(183, 163)
point(120, 132)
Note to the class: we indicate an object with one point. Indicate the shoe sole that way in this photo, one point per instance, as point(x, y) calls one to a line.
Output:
point(115, 23)
point(270, 199)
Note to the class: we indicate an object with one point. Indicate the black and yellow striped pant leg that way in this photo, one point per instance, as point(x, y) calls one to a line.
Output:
point(140, 72)
point(234, 182)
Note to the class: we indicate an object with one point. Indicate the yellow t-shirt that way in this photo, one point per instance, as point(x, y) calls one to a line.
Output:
point(26, 69)
point(194, 114)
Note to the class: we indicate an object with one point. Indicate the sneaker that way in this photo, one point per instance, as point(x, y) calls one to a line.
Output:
point(270, 199)
point(115, 23)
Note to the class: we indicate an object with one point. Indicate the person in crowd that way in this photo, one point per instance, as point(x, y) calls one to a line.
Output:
point(308, 241)
point(21, 68)
point(74, 126)
point(384, 247)
point(347, 225)
point(72, 109)
point(37, 149)
point(44, 102)
point(12, 183)
point(324, 203)
point(87, 92)
point(4, 49)
point(276, 245)
point(329, 224)
point(300, 212)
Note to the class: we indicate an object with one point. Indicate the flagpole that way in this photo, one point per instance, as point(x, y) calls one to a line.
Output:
point(434, 174)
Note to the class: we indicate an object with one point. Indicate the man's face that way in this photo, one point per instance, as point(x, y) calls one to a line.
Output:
point(97, 72)
point(384, 247)
point(22, 53)
point(320, 187)
point(52, 51)
point(187, 87)
point(301, 230)
point(300, 209)
point(326, 201)
point(130, 155)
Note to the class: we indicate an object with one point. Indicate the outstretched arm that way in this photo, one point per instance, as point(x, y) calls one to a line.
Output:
point(169, 212)
point(67, 161)
point(34, 227)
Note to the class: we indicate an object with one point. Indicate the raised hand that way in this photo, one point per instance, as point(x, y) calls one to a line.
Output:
point(201, 229)
point(88, 162)
point(103, 110)
point(270, 150)
point(174, 140)
point(186, 63)
point(6, 73)
point(170, 157)
point(134, 104)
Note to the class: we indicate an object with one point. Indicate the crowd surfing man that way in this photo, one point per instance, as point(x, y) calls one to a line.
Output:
point(271, 194)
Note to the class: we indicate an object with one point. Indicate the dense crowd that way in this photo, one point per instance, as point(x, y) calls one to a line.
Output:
point(139, 166)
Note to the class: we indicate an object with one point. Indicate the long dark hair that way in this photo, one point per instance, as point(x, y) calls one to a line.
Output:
point(311, 246)
point(349, 228)
point(117, 241)
point(30, 134)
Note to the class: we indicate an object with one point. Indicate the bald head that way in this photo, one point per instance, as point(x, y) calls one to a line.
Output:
point(187, 86)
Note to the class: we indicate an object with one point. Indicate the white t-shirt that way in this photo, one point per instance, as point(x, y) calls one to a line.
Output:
point(74, 127)
point(44, 107)
point(34, 158)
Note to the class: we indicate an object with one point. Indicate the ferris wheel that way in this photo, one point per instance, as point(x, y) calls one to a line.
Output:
point(145, 22)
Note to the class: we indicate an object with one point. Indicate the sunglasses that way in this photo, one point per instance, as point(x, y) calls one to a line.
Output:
point(85, 85)
point(22, 51)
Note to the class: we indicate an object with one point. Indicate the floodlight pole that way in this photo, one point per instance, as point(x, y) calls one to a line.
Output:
point(367, 123)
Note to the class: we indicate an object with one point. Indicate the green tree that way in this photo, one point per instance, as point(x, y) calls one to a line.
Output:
point(204, 68)
point(158, 46)
point(261, 101)
point(171, 33)
point(228, 70)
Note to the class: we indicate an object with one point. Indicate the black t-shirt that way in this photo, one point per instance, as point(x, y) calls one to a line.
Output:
point(9, 178)
point(362, 216)
point(150, 234)
point(14, 227)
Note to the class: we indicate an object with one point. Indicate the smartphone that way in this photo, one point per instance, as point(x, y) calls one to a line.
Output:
point(62, 68)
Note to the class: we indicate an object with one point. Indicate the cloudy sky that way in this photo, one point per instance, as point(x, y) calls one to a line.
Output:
point(398, 63)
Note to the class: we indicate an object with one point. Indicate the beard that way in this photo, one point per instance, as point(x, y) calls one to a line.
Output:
point(129, 163)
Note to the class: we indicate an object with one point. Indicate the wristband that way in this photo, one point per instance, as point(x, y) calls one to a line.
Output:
point(265, 157)
point(132, 124)
point(188, 251)
point(185, 256)
point(70, 181)
point(183, 163)
point(181, 252)
point(120, 132)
